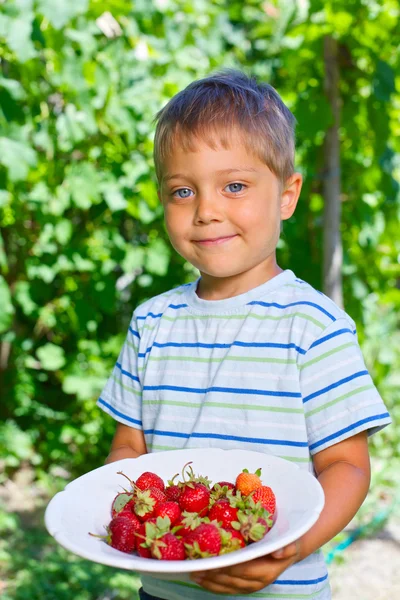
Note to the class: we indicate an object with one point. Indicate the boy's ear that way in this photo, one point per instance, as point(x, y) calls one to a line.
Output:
point(290, 195)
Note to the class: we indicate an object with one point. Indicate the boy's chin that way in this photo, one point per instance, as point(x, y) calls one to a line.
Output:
point(214, 273)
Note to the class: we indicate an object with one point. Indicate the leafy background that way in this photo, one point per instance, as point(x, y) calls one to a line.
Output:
point(82, 239)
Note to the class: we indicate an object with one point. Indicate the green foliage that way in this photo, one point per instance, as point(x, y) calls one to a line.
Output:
point(82, 238)
point(37, 568)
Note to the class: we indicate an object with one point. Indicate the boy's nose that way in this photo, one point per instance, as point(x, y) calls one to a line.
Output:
point(208, 209)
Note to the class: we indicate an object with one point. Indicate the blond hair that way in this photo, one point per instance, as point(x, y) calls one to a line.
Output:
point(226, 103)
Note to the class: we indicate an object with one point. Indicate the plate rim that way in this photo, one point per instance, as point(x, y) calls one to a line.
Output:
point(154, 567)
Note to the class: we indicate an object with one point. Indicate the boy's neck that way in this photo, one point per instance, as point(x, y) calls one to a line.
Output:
point(221, 288)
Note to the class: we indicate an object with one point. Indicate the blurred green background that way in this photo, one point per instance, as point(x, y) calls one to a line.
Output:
point(82, 238)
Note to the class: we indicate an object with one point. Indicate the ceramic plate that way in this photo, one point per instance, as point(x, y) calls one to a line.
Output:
point(85, 504)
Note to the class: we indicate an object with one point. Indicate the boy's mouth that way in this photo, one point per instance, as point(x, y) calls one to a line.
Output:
point(214, 241)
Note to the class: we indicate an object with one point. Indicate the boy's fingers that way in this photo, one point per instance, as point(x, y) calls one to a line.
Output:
point(286, 552)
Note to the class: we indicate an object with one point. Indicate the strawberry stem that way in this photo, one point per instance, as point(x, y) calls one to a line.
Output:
point(183, 470)
point(103, 537)
point(128, 478)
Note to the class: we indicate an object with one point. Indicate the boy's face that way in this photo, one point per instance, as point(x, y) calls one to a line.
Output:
point(223, 210)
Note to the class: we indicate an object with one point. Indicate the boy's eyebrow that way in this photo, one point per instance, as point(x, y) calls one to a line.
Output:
point(220, 172)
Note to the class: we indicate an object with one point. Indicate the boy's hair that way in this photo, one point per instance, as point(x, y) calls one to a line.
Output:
point(227, 102)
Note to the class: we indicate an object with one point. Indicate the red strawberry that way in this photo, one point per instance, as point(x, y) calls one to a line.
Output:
point(253, 527)
point(132, 518)
point(143, 551)
point(221, 484)
point(221, 489)
point(120, 534)
point(146, 502)
point(266, 496)
point(123, 502)
point(148, 531)
point(168, 509)
point(203, 541)
point(186, 524)
point(195, 498)
point(224, 513)
point(173, 492)
point(149, 480)
point(168, 547)
point(231, 540)
point(142, 543)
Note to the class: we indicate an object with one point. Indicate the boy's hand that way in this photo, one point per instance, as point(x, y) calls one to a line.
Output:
point(250, 576)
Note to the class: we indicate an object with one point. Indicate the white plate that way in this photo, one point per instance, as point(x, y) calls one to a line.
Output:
point(85, 506)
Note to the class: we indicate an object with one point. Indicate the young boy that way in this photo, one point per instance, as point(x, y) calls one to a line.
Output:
point(248, 356)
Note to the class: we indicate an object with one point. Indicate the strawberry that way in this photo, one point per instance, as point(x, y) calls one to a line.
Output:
point(168, 509)
point(248, 482)
point(173, 492)
point(142, 544)
point(132, 518)
point(231, 540)
point(224, 513)
point(122, 503)
point(253, 527)
point(168, 547)
point(203, 541)
point(187, 522)
point(195, 498)
point(120, 534)
point(266, 497)
point(220, 490)
point(149, 531)
point(222, 484)
point(146, 502)
point(149, 480)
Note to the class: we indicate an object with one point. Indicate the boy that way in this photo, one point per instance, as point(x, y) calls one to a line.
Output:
point(248, 356)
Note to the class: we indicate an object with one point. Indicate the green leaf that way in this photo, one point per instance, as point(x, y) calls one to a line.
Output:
point(83, 386)
point(23, 297)
point(113, 196)
point(19, 37)
point(13, 87)
point(63, 231)
point(157, 257)
point(7, 309)
point(17, 157)
point(51, 357)
point(59, 12)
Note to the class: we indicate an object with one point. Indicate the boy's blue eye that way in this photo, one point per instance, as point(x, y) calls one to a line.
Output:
point(235, 187)
point(183, 193)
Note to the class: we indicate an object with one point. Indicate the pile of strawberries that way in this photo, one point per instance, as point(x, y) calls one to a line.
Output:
point(189, 519)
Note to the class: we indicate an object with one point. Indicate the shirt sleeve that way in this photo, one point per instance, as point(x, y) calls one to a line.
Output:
point(339, 396)
point(122, 395)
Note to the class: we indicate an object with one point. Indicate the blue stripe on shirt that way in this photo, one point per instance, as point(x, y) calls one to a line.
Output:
point(239, 344)
point(349, 428)
point(334, 385)
point(177, 388)
point(118, 413)
point(135, 333)
point(220, 436)
point(150, 314)
point(302, 302)
point(300, 581)
point(329, 337)
point(133, 377)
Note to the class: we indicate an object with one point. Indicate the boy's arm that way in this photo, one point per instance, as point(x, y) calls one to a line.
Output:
point(127, 443)
point(343, 470)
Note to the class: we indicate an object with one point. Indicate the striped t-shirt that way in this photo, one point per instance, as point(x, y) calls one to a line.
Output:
point(277, 370)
